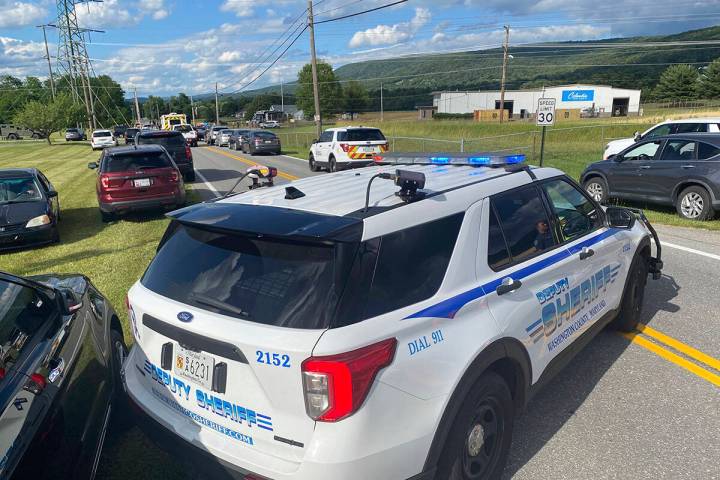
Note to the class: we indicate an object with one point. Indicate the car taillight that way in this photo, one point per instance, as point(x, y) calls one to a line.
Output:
point(345, 147)
point(36, 384)
point(188, 153)
point(258, 141)
point(335, 386)
point(174, 176)
point(105, 181)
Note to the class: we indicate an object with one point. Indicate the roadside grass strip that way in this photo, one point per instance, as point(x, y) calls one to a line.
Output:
point(656, 342)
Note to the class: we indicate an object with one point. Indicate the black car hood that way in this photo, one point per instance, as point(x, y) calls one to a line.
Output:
point(13, 213)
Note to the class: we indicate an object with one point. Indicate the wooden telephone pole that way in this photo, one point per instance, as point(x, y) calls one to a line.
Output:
point(316, 92)
point(504, 72)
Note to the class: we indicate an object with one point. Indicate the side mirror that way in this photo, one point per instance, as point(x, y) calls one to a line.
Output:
point(618, 217)
point(52, 194)
point(637, 137)
point(71, 303)
point(92, 165)
point(315, 140)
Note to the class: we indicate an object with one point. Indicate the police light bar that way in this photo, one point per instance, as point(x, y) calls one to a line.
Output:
point(490, 159)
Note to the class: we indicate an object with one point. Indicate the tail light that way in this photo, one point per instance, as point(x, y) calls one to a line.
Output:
point(105, 181)
point(2, 373)
point(174, 176)
point(36, 384)
point(384, 147)
point(258, 141)
point(336, 385)
point(345, 147)
point(188, 153)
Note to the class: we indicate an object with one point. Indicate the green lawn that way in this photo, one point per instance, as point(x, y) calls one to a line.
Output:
point(113, 255)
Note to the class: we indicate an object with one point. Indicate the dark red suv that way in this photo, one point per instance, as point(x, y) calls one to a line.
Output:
point(137, 178)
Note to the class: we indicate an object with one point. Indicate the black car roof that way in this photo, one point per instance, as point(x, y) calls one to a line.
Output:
point(131, 149)
point(17, 172)
point(159, 133)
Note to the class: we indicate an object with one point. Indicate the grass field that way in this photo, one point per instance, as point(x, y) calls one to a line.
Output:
point(113, 255)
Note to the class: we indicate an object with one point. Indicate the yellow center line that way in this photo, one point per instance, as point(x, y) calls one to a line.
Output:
point(673, 357)
point(680, 347)
point(284, 175)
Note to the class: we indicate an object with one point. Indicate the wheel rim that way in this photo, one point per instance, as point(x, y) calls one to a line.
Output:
point(483, 441)
point(692, 205)
point(119, 353)
point(595, 190)
point(312, 163)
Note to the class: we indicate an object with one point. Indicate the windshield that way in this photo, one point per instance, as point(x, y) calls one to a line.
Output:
point(277, 283)
point(23, 189)
point(361, 135)
point(170, 142)
point(71, 130)
point(265, 135)
point(22, 313)
point(130, 132)
point(102, 134)
point(182, 128)
point(135, 161)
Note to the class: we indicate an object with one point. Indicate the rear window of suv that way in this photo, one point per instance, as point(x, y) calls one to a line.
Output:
point(265, 135)
point(361, 135)
point(102, 134)
point(167, 141)
point(135, 161)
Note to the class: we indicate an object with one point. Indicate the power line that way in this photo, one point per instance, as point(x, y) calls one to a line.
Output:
point(361, 13)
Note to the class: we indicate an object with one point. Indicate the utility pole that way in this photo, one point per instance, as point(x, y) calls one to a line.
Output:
point(192, 109)
point(316, 92)
point(504, 72)
point(282, 97)
point(47, 56)
point(217, 108)
point(382, 109)
point(137, 109)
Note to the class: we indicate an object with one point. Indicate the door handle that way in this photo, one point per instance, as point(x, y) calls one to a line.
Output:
point(644, 167)
point(508, 285)
point(688, 166)
point(586, 253)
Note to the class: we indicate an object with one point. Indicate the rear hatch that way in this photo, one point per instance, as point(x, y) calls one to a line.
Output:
point(225, 320)
point(138, 174)
point(362, 143)
point(266, 139)
point(174, 143)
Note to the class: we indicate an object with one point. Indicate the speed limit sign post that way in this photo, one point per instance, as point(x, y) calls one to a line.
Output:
point(545, 117)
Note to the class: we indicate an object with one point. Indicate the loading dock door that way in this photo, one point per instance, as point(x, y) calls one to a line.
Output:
point(508, 107)
point(620, 107)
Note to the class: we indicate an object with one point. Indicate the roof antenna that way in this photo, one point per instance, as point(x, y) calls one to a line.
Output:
point(408, 181)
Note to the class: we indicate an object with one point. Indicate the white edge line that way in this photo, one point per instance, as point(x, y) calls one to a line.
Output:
point(296, 158)
point(690, 250)
point(207, 184)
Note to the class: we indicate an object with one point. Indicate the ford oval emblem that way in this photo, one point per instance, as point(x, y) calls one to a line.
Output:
point(185, 317)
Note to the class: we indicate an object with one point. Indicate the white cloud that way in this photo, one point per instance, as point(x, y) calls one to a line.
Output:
point(391, 34)
point(19, 14)
point(241, 8)
point(227, 57)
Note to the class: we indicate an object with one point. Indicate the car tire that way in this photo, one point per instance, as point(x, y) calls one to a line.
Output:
point(694, 203)
point(332, 164)
point(190, 176)
point(35, 136)
point(107, 217)
point(633, 296)
point(311, 163)
point(12, 136)
point(478, 443)
point(597, 188)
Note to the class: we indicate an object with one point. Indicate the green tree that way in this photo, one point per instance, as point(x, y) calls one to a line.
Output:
point(152, 106)
point(49, 117)
point(356, 98)
point(677, 82)
point(709, 84)
point(331, 95)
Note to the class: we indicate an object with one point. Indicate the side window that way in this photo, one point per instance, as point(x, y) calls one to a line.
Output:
point(660, 131)
point(97, 304)
point(524, 222)
point(326, 137)
point(498, 253)
point(411, 264)
point(43, 182)
point(577, 215)
point(706, 151)
point(690, 127)
point(46, 181)
point(644, 151)
point(679, 150)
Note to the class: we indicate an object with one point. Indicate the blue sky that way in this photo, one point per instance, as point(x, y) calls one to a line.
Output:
point(163, 47)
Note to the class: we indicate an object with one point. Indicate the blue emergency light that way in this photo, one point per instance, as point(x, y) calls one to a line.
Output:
point(492, 159)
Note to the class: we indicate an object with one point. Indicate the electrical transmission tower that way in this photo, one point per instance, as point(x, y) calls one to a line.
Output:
point(72, 58)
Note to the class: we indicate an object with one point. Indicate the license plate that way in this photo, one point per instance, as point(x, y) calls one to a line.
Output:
point(142, 182)
point(368, 149)
point(195, 366)
point(268, 141)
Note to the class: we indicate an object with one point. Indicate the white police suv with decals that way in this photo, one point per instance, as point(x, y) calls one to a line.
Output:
point(346, 147)
point(383, 323)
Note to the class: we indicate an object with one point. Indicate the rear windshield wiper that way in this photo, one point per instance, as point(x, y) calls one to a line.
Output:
point(219, 304)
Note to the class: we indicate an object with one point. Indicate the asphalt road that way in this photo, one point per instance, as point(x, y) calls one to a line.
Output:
point(643, 406)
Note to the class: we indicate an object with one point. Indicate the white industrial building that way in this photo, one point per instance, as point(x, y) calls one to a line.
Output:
point(595, 100)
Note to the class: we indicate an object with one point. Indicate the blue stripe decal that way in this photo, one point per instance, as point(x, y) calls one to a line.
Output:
point(448, 308)
point(532, 327)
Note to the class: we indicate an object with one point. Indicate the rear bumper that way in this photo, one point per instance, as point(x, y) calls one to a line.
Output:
point(265, 148)
point(348, 451)
point(27, 237)
point(142, 203)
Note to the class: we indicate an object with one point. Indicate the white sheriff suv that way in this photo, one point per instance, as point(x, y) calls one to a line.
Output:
point(384, 323)
point(346, 147)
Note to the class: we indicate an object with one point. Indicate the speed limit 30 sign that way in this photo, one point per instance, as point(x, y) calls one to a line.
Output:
point(545, 112)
